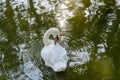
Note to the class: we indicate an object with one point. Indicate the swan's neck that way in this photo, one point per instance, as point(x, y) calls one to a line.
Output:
point(51, 31)
point(46, 39)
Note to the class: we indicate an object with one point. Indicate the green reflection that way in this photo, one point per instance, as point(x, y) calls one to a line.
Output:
point(92, 23)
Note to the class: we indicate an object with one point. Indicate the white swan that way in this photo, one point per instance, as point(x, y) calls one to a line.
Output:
point(54, 55)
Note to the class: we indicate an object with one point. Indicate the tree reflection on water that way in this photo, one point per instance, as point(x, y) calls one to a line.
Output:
point(91, 27)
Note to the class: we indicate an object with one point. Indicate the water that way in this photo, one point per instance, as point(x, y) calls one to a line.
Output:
point(90, 31)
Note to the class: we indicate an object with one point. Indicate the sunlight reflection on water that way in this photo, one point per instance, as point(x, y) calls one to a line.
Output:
point(79, 58)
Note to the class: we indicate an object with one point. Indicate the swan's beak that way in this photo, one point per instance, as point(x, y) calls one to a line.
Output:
point(56, 39)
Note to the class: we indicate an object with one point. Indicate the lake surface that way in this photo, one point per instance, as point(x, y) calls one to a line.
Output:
point(90, 32)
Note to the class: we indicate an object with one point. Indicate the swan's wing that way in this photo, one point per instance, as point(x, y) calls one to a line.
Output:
point(53, 54)
point(46, 54)
point(64, 55)
point(59, 54)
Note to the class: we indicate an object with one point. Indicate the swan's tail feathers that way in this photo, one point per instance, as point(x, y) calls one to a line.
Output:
point(59, 67)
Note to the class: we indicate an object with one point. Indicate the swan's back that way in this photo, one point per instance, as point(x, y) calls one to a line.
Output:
point(55, 57)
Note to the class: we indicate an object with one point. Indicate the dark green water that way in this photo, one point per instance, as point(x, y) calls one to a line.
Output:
point(90, 32)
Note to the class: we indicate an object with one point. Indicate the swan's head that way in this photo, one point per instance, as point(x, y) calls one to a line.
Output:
point(56, 39)
point(56, 35)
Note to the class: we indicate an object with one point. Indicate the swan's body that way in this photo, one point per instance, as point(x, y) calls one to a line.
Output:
point(53, 54)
